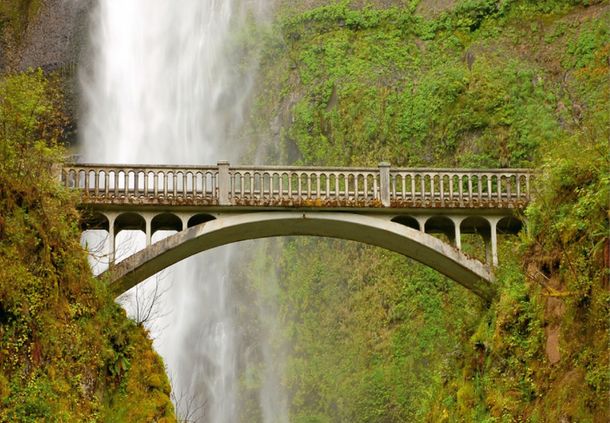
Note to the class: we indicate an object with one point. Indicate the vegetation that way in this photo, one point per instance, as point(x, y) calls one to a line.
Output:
point(367, 335)
point(67, 351)
point(15, 16)
point(371, 336)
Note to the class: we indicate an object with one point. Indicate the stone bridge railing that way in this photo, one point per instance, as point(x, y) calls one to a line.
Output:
point(291, 186)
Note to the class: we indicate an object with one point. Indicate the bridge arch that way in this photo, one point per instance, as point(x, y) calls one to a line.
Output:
point(235, 227)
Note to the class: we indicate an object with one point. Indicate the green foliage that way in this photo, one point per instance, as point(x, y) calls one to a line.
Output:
point(361, 349)
point(366, 93)
point(374, 337)
point(67, 351)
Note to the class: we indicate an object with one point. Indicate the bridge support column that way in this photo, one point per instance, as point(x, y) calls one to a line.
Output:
point(421, 220)
point(488, 252)
point(112, 235)
point(148, 230)
point(493, 223)
point(185, 222)
point(457, 221)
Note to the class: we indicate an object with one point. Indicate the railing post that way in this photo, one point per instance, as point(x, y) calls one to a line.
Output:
point(223, 183)
point(384, 183)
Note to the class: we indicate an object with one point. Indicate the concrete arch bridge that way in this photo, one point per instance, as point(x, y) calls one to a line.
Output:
point(210, 206)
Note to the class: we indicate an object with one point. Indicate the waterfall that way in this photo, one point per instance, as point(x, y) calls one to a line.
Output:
point(160, 88)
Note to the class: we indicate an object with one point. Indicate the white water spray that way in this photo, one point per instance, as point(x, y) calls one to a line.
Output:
point(162, 90)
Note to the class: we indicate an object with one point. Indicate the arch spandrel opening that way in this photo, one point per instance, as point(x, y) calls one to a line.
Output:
point(367, 229)
point(129, 221)
point(441, 225)
point(509, 225)
point(476, 238)
point(94, 221)
point(199, 219)
point(408, 221)
point(165, 222)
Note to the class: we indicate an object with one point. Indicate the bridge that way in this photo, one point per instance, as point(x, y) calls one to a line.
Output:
point(399, 209)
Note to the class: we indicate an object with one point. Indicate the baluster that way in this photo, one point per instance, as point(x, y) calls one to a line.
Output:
point(300, 186)
point(376, 190)
point(96, 181)
point(337, 177)
point(145, 182)
point(499, 189)
point(469, 176)
point(135, 183)
point(461, 187)
point(87, 182)
point(309, 176)
point(156, 184)
point(489, 176)
point(451, 183)
point(412, 187)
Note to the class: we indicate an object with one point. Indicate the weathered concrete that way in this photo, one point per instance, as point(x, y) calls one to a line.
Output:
point(391, 208)
point(373, 230)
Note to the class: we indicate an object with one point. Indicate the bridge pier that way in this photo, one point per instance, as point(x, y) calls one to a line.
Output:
point(494, 240)
point(457, 221)
point(148, 230)
point(112, 235)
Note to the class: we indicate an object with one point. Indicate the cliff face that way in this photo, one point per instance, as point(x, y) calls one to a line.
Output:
point(368, 335)
point(49, 34)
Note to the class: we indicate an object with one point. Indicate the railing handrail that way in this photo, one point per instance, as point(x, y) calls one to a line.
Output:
point(299, 168)
point(227, 185)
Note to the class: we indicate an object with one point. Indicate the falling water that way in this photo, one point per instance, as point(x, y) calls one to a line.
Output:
point(161, 89)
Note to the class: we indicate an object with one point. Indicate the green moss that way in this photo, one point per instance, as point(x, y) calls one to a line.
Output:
point(68, 352)
point(15, 15)
point(483, 84)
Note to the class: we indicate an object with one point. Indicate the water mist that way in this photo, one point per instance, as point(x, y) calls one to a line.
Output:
point(160, 89)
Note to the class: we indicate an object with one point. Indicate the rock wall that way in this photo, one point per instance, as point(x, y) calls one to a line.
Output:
point(53, 39)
